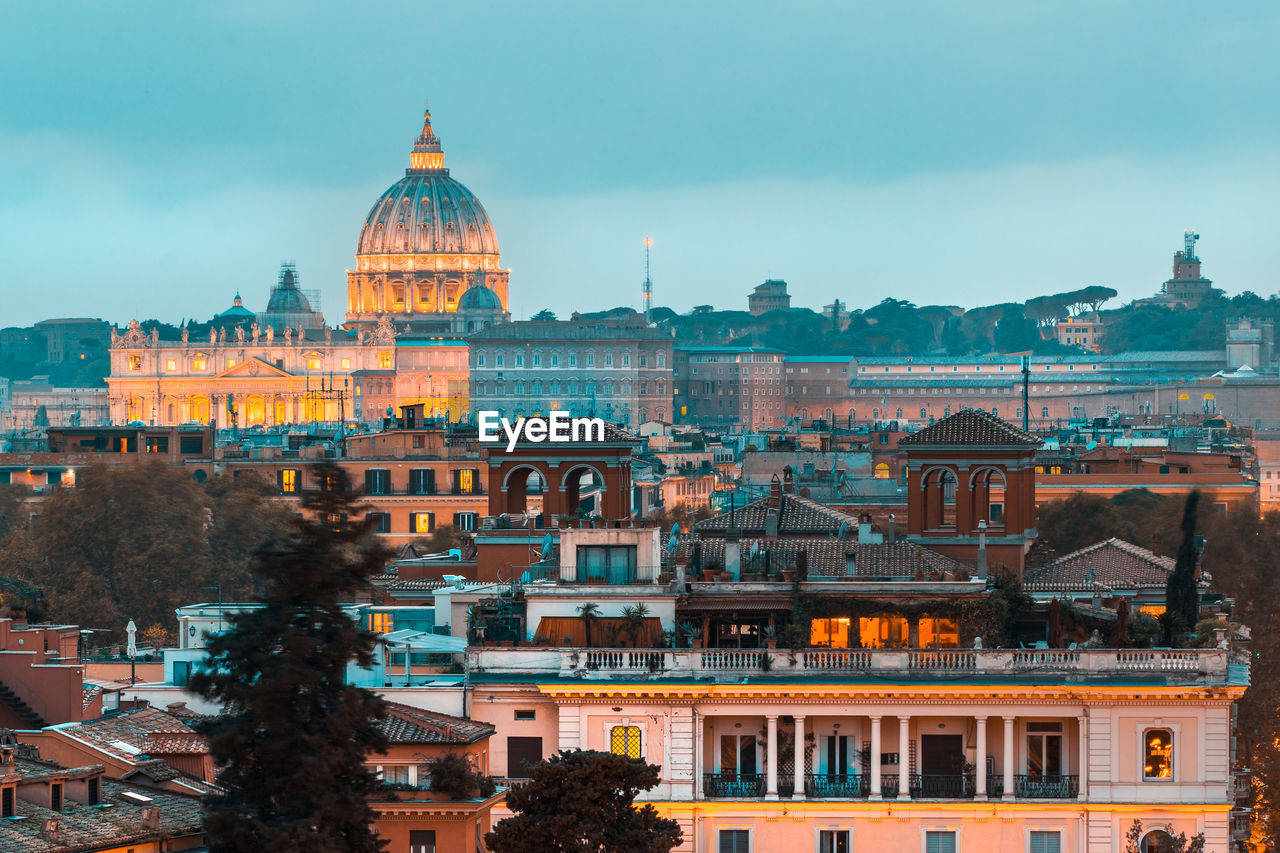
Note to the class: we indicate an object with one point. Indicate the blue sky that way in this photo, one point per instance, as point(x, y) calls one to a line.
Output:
point(157, 157)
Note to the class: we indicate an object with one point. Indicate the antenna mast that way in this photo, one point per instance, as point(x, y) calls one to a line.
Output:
point(648, 284)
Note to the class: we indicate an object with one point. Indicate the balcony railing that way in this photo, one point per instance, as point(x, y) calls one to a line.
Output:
point(748, 785)
point(839, 786)
point(942, 786)
point(1046, 787)
point(1185, 666)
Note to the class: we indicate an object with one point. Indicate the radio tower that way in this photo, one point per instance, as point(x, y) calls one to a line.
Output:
point(648, 284)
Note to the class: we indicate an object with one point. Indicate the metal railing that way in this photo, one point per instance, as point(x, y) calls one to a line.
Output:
point(748, 785)
point(838, 786)
point(1046, 787)
point(942, 786)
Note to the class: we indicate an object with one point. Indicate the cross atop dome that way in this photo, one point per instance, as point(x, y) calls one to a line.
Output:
point(427, 155)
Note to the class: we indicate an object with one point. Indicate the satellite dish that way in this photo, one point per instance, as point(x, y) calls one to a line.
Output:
point(546, 546)
point(1091, 445)
point(675, 530)
point(843, 531)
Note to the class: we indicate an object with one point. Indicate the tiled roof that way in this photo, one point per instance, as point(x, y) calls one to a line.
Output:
point(971, 427)
point(798, 516)
point(829, 557)
point(131, 727)
point(174, 743)
point(1113, 563)
point(116, 823)
point(406, 724)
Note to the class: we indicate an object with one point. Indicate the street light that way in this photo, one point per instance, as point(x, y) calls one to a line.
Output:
point(132, 651)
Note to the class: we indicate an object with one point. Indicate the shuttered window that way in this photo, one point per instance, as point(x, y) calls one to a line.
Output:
point(1045, 842)
point(939, 841)
point(735, 841)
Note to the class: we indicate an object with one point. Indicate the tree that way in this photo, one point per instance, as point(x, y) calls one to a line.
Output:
point(1177, 843)
point(1182, 593)
point(634, 616)
point(454, 775)
point(293, 736)
point(545, 315)
point(581, 801)
point(587, 613)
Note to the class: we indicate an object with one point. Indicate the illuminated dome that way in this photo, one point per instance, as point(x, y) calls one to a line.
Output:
point(426, 211)
point(479, 298)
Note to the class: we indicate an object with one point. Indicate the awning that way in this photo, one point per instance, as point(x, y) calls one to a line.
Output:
point(744, 603)
point(424, 641)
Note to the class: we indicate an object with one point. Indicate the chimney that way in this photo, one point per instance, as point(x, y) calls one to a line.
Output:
point(732, 554)
point(893, 531)
point(982, 549)
point(49, 829)
point(788, 480)
point(864, 528)
point(151, 817)
point(1157, 544)
point(775, 491)
point(771, 522)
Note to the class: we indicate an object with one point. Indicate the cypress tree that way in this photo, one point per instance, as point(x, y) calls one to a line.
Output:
point(293, 736)
point(1182, 597)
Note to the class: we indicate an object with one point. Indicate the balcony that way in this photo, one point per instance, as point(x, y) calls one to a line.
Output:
point(942, 786)
point(1192, 666)
point(1046, 787)
point(844, 786)
point(742, 785)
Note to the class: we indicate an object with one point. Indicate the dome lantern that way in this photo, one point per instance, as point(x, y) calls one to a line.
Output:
point(427, 155)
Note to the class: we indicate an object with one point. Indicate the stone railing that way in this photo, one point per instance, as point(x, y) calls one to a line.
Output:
point(1191, 664)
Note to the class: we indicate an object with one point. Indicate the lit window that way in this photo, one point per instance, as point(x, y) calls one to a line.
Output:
point(231, 362)
point(883, 632)
point(199, 364)
point(381, 623)
point(625, 740)
point(882, 471)
point(384, 360)
point(135, 362)
point(829, 633)
point(939, 633)
point(466, 480)
point(1157, 754)
point(1156, 610)
point(289, 480)
point(346, 364)
point(422, 522)
point(313, 364)
point(171, 364)
point(834, 841)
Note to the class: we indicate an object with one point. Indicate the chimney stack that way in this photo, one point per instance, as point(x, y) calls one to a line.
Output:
point(982, 549)
point(1156, 544)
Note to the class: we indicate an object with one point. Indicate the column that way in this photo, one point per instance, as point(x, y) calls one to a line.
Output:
point(799, 759)
point(875, 758)
point(1082, 729)
point(698, 723)
point(1008, 758)
point(771, 760)
point(980, 771)
point(904, 754)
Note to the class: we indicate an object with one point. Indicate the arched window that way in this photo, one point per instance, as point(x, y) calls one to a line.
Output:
point(923, 414)
point(1044, 411)
point(625, 740)
point(1157, 841)
point(899, 414)
point(882, 471)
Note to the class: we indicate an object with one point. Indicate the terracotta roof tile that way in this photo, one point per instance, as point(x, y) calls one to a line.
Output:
point(828, 558)
point(971, 427)
point(1112, 563)
point(798, 515)
point(406, 724)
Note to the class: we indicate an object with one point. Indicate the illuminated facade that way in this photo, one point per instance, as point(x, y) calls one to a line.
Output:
point(425, 243)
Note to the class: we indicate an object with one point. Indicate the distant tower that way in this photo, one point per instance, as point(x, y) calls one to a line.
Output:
point(1189, 239)
point(648, 284)
point(1188, 286)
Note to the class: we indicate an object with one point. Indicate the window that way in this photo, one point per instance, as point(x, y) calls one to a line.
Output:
point(464, 481)
point(883, 632)
point(157, 444)
point(381, 522)
point(734, 841)
point(1044, 749)
point(465, 520)
point(422, 523)
point(7, 804)
point(938, 633)
point(1157, 754)
point(288, 480)
point(829, 633)
point(95, 791)
point(526, 715)
point(395, 774)
point(1044, 841)
point(625, 740)
point(381, 623)
point(199, 363)
point(422, 481)
point(135, 362)
point(231, 362)
point(939, 841)
point(377, 481)
point(834, 841)
point(422, 841)
point(1157, 841)
point(608, 564)
point(346, 363)
point(882, 471)
point(522, 752)
point(171, 364)
point(384, 360)
point(313, 364)
point(55, 797)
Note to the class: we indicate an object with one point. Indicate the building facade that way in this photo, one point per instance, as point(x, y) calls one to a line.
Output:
point(733, 387)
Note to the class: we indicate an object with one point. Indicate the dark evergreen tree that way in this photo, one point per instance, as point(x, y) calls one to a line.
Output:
point(293, 736)
point(1182, 595)
point(580, 801)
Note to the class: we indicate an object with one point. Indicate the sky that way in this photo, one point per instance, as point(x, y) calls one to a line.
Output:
point(158, 157)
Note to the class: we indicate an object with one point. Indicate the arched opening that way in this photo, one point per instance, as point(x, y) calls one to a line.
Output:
point(1157, 841)
point(987, 489)
point(583, 489)
point(255, 411)
point(520, 484)
point(939, 485)
point(199, 409)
